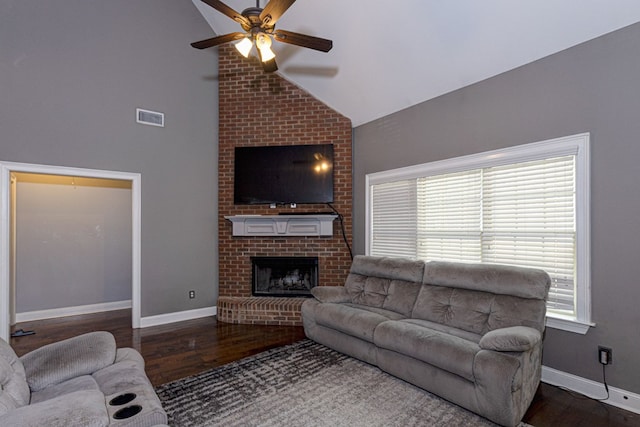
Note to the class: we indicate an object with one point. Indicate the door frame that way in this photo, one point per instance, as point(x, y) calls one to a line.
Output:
point(6, 168)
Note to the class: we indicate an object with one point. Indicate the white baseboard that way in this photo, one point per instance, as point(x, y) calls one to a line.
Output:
point(71, 311)
point(617, 397)
point(163, 319)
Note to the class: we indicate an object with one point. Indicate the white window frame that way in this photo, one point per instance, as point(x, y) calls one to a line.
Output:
point(577, 145)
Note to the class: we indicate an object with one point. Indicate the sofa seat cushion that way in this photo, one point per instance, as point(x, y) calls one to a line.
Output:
point(440, 349)
point(81, 383)
point(130, 356)
point(120, 376)
point(353, 319)
point(460, 333)
point(388, 314)
point(80, 408)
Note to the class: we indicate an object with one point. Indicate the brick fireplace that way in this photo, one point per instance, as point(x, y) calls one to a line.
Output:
point(259, 109)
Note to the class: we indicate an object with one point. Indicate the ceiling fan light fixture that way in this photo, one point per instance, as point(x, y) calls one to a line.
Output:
point(259, 29)
point(263, 43)
point(244, 46)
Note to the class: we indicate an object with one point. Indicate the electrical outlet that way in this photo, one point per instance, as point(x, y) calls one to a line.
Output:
point(192, 294)
point(605, 355)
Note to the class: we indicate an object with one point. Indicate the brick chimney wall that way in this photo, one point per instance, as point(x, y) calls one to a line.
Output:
point(258, 109)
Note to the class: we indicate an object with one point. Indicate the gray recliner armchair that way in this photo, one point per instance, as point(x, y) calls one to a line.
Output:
point(81, 381)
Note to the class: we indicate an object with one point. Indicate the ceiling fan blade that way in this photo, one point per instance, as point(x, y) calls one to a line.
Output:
point(273, 11)
point(216, 41)
point(223, 8)
point(303, 40)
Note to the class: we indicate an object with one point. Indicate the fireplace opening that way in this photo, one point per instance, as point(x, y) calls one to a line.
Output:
point(284, 276)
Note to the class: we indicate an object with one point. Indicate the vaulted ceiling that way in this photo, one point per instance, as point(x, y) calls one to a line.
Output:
point(390, 55)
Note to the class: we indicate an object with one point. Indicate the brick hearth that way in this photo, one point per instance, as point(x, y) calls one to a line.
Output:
point(260, 310)
point(259, 109)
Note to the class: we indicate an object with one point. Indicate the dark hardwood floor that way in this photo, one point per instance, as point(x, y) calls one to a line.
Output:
point(177, 350)
point(170, 351)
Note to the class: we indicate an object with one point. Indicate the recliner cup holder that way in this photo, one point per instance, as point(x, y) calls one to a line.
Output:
point(122, 399)
point(127, 412)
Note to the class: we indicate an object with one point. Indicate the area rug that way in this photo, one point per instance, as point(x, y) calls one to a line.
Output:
point(305, 384)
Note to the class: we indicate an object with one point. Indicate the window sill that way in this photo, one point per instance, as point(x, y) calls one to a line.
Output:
point(568, 324)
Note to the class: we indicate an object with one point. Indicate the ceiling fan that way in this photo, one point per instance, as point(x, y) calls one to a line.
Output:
point(259, 26)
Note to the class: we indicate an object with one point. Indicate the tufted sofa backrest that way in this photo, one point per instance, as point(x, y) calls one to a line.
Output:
point(479, 298)
point(14, 390)
point(389, 283)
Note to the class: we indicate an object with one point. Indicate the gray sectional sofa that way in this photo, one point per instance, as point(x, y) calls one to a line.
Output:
point(82, 381)
point(470, 333)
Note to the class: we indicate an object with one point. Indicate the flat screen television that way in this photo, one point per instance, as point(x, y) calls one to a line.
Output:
point(283, 174)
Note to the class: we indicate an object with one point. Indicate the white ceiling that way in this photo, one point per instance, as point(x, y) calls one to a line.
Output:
point(385, 59)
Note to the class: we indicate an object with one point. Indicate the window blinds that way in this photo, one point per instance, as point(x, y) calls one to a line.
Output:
point(450, 216)
point(519, 214)
point(529, 220)
point(393, 215)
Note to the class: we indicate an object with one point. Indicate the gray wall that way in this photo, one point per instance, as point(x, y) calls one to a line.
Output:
point(71, 76)
point(73, 244)
point(593, 87)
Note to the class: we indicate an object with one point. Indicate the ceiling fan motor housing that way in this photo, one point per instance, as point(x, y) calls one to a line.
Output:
point(253, 15)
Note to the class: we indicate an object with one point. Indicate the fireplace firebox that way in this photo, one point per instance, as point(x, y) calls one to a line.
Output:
point(284, 276)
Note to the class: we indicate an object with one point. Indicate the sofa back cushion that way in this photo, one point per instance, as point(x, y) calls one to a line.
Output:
point(479, 298)
point(475, 311)
point(14, 390)
point(389, 283)
point(497, 279)
point(62, 360)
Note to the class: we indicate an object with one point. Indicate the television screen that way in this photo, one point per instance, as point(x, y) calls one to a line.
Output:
point(283, 174)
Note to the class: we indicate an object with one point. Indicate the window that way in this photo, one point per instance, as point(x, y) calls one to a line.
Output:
point(526, 205)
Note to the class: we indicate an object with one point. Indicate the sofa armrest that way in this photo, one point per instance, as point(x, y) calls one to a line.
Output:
point(336, 294)
point(80, 408)
point(514, 338)
point(63, 360)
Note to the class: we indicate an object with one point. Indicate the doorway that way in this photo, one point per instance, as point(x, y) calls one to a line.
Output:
point(7, 297)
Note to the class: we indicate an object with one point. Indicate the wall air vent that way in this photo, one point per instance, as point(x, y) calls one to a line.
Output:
point(147, 117)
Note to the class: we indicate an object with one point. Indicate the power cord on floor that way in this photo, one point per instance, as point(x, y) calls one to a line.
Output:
point(579, 395)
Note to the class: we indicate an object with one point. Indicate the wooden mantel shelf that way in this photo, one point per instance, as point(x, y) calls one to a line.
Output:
point(282, 225)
